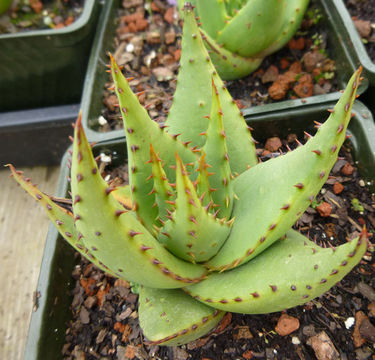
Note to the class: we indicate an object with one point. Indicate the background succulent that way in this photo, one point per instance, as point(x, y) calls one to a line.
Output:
point(202, 227)
point(240, 33)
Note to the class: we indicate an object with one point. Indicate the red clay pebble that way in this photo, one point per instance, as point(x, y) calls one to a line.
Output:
point(324, 209)
point(296, 67)
point(286, 325)
point(284, 63)
point(347, 169)
point(277, 90)
point(338, 188)
point(247, 355)
point(169, 15)
point(304, 87)
point(273, 144)
point(36, 5)
point(297, 44)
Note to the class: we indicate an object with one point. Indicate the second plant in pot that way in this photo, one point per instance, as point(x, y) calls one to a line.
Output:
point(202, 227)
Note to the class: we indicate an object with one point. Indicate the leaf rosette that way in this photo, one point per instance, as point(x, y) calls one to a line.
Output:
point(202, 226)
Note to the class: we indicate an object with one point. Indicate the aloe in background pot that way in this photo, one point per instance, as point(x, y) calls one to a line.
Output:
point(202, 227)
point(240, 33)
point(4, 5)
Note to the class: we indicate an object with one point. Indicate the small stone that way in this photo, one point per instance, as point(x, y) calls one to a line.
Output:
point(286, 325)
point(69, 20)
point(101, 335)
point(291, 138)
point(162, 73)
point(84, 315)
point(323, 347)
point(90, 302)
point(296, 67)
point(296, 340)
point(349, 322)
point(363, 27)
point(367, 330)
point(371, 309)
point(110, 102)
point(130, 352)
point(338, 188)
point(324, 209)
point(297, 44)
point(284, 63)
point(270, 75)
point(309, 330)
point(36, 5)
point(179, 354)
point(170, 37)
point(312, 60)
point(169, 15)
point(347, 169)
point(358, 340)
point(247, 355)
point(243, 333)
point(361, 183)
point(367, 291)
point(304, 87)
point(278, 90)
point(153, 37)
point(273, 144)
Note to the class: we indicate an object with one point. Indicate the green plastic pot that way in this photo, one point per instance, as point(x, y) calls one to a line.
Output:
point(48, 322)
point(92, 101)
point(46, 67)
point(354, 46)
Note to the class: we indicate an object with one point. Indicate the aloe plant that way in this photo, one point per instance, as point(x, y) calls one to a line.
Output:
point(202, 227)
point(239, 34)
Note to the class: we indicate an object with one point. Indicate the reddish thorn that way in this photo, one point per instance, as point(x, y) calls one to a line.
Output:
point(109, 190)
point(133, 233)
point(120, 212)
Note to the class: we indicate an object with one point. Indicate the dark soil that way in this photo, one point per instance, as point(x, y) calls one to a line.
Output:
point(104, 321)
point(363, 15)
point(38, 15)
point(148, 46)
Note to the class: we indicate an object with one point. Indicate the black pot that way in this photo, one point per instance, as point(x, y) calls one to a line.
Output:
point(92, 102)
point(48, 322)
point(46, 67)
point(354, 47)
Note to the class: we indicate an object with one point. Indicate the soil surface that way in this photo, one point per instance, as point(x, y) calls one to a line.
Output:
point(363, 15)
point(148, 41)
point(36, 15)
point(337, 325)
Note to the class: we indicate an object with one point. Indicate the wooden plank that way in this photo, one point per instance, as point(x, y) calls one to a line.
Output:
point(23, 230)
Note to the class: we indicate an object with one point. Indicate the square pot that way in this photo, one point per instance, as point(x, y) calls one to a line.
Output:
point(354, 46)
point(36, 136)
point(46, 67)
point(92, 102)
point(47, 327)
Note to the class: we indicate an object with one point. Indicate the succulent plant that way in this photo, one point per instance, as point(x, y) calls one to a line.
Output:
point(5, 5)
point(239, 34)
point(202, 226)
